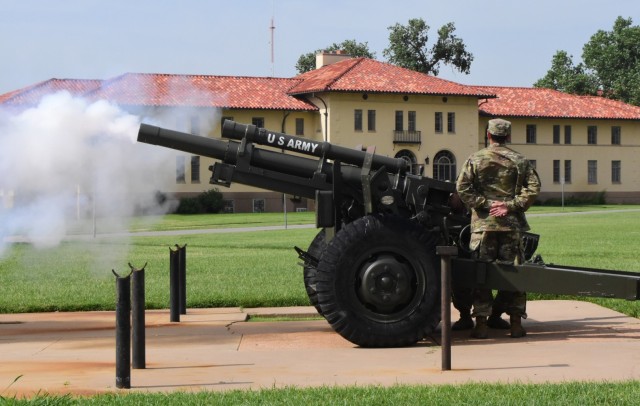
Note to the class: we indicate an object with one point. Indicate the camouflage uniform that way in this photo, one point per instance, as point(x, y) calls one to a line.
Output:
point(498, 173)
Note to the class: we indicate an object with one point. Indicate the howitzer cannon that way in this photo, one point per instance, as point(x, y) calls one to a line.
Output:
point(372, 270)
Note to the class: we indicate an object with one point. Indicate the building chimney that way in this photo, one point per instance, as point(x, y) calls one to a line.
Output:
point(325, 58)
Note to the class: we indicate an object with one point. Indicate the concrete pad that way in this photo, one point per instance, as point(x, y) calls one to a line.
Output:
point(217, 349)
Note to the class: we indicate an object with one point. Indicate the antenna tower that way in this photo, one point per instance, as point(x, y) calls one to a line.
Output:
point(272, 28)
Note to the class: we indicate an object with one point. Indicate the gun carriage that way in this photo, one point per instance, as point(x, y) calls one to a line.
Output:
point(372, 269)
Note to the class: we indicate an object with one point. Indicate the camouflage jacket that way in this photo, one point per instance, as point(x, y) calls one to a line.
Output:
point(498, 173)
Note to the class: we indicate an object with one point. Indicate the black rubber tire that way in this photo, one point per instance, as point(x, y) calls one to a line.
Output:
point(378, 282)
point(310, 273)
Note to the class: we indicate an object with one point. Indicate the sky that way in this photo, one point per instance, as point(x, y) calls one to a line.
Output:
point(513, 41)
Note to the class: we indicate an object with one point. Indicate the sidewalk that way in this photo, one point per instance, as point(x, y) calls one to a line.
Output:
point(216, 349)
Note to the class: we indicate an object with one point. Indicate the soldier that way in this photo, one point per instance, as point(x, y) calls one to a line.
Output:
point(498, 184)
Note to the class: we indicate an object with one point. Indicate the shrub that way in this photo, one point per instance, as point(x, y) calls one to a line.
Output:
point(206, 202)
point(596, 198)
point(211, 201)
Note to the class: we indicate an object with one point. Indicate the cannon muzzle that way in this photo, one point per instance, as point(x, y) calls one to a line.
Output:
point(194, 144)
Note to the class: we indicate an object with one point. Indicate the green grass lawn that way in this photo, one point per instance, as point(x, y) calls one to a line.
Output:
point(513, 394)
point(192, 222)
point(605, 240)
point(253, 269)
point(230, 269)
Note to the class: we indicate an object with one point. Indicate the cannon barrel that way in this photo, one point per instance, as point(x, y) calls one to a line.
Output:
point(262, 136)
point(226, 151)
point(229, 152)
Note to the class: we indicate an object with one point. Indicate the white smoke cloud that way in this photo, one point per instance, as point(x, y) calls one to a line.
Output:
point(68, 158)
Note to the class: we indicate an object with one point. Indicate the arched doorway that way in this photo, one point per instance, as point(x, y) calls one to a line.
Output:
point(444, 166)
point(410, 157)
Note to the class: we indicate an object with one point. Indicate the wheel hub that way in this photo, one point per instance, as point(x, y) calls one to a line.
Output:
point(386, 284)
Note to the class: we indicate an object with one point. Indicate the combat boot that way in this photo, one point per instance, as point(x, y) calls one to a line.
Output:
point(517, 330)
point(465, 322)
point(481, 330)
point(497, 322)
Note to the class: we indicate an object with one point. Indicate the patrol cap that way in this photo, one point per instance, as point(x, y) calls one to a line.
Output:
point(499, 127)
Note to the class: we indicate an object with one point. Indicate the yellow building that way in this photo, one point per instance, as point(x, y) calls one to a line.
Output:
point(580, 145)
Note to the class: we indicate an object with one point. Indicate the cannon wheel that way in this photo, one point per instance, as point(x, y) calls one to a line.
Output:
point(310, 273)
point(378, 282)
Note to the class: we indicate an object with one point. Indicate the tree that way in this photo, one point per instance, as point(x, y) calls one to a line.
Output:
point(307, 61)
point(611, 65)
point(408, 48)
point(614, 57)
point(566, 77)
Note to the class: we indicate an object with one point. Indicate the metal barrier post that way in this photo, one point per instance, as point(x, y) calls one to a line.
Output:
point(182, 270)
point(138, 317)
point(174, 285)
point(445, 252)
point(123, 331)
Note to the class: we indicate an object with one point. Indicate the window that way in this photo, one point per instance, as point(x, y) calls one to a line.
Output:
point(556, 171)
point(195, 169)
point(438, 122)
point(556, 134)
point(567, 134)
point(258, 205)
point(228, 206)
point(258, 121)
point(616, 171)
point(444, 166)
point(299, 126)
point(592, 135)
point(195, 125)
point(451, 122)
point(531, 133)
point(399, 120)
point(616, 135)
point(567, 171)
point(357, 120)
point(412, 121)
point(180, 169)
point(371, 120)
point(592, 172)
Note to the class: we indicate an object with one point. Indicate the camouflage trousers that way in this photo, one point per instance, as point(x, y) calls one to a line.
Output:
point(505, 247)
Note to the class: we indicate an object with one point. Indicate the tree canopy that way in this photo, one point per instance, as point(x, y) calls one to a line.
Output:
point(567, 77)
point(611, 65)
point(408, 48)
point(307, 61)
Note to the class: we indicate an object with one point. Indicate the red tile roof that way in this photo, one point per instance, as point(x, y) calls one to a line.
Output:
point(549, 103)
point(201, 91)
point(368, 75)
point(7, 96)
point(32, 95)
point(351, 75)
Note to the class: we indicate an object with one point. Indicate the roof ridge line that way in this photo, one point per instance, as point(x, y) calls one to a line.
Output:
point(357, 62)
point(201, 75)
point(28, 89)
